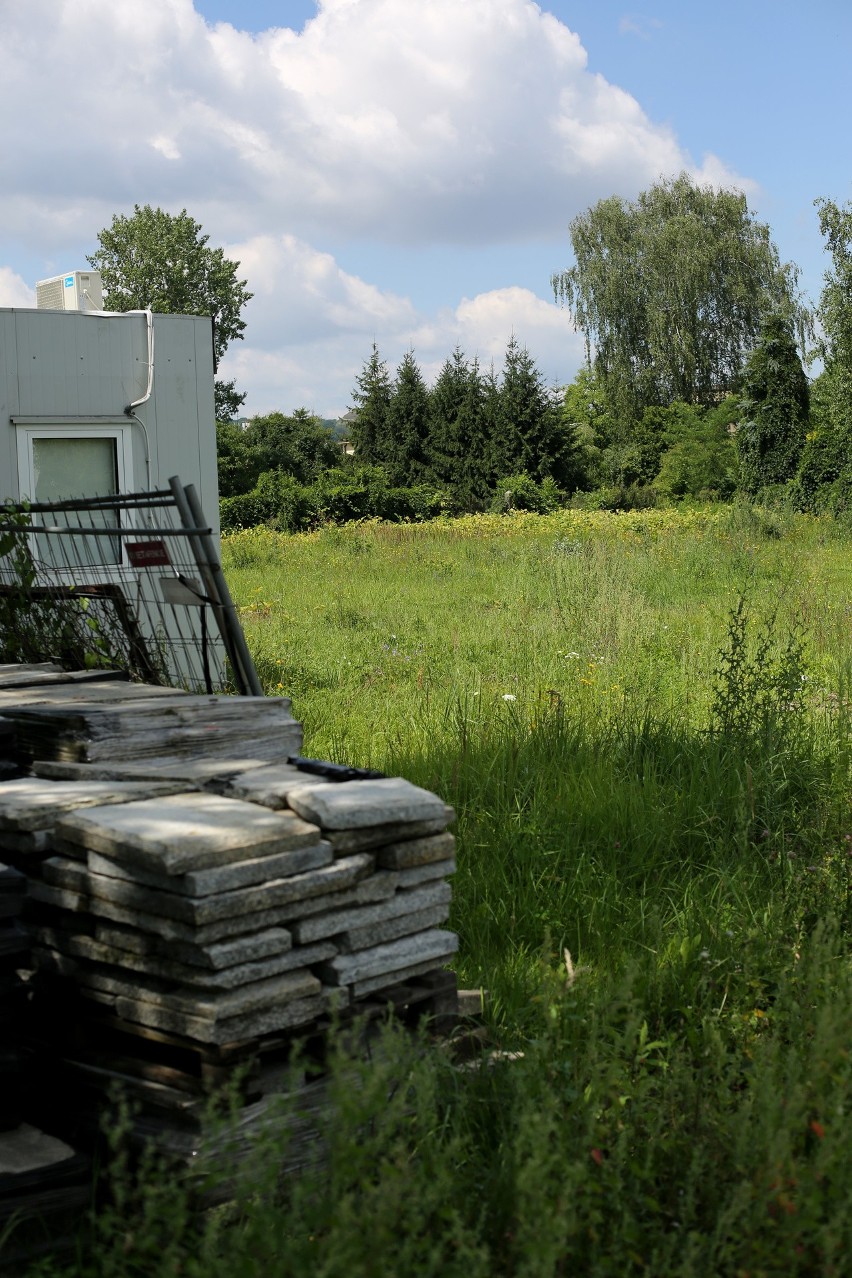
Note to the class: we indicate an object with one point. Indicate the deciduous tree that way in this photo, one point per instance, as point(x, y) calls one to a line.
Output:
point(162, 262)
point(670, 292)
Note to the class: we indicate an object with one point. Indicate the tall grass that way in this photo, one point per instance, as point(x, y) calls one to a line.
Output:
point(643, 724)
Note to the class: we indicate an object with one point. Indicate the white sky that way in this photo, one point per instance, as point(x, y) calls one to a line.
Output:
point(403, 170)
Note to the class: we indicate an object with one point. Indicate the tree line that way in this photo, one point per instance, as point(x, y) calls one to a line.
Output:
point(473, 440)
point(694, 385)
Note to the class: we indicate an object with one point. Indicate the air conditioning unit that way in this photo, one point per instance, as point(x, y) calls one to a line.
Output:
point(76, 291)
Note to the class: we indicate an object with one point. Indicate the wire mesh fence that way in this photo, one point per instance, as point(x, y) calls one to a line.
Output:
point(130, 582)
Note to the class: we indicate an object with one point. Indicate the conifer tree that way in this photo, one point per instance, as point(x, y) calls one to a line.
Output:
point(774, 408)
point(458, 441)
point(532, 434)
point(406, 449)
point(371, 397)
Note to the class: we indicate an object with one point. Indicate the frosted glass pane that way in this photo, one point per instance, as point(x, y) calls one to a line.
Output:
point(74, 468)
point(77, 467)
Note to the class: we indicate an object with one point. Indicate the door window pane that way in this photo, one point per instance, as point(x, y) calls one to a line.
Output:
point(79, 467)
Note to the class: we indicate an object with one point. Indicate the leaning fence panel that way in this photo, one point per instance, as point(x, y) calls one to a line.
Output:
point(119, 582)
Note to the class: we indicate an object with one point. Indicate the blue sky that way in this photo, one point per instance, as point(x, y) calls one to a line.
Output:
point(405, 170)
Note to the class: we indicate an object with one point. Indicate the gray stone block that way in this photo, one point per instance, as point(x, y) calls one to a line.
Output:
point(169, 928)
point(374, 984)
point(412, 852)
point(367, 803)
point(374, 836)
point(272, 784)
point(433, 946)
point(31, 803)
point(236, 1030)
point(224, 878)
point(250, 947)
point(417, 874)
point(242, 903)
point(337, 921)
point(185, 832)
point(170, 970)
point(376, 887)
point(364, 938)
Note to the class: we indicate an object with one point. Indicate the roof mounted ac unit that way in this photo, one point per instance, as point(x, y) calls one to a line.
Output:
point(76, 291)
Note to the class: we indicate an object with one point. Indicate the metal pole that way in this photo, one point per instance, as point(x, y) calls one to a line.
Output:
point(216, 587)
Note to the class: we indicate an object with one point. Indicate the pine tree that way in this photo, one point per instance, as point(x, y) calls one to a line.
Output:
point(408, 426)
point(372, 396)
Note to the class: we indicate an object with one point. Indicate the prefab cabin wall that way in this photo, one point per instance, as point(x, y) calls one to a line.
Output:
point(66, 375)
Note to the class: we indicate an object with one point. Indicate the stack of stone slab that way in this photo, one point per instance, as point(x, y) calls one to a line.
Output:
point(181, 934)
point(15, 946)
point(134, 722)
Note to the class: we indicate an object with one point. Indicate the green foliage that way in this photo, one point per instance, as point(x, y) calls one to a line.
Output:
point(459, 430)
point(774, 409)
point(670, 291)
point(161, 261)
point(699, 459)
point(406, 427)
point(371, 397)
point(824, 479)
point(521, 492)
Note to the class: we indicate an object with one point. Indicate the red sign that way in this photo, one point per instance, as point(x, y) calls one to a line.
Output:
point(147, 554)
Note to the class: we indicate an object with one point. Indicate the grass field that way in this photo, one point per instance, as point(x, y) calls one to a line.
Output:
point(643, 722)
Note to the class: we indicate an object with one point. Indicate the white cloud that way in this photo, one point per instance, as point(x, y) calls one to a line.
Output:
point(13, 290)
point(414, 122)
point(312, 326)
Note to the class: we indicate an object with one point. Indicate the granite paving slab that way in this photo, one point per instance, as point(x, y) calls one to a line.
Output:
point(193, 772)
point(412, 852)
point(355, 804)
point(271, 785)
point(31, 803)
point(323, 925)
point(211, 1005)
point(189, 976)
point(376, 887)
point(374, 836)
point(238, 1029)
point(431, 946)
point(248, 948)
point(186, 832)
point(223, 878)
point(198, 911)
point(364, 938)
point(231, 928)
point(374, 984)
point(414, 875)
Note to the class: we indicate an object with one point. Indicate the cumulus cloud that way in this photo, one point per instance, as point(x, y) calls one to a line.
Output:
point(415, 122)
point(312, 326)
point(13, 290)
point(381, 122)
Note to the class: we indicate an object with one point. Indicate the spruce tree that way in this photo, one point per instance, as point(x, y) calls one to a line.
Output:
point(532, 434)
point(406, 452)
point(457, 433)
point(372, 396)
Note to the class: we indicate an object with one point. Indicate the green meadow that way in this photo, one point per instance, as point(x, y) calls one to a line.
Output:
point(643, 723)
